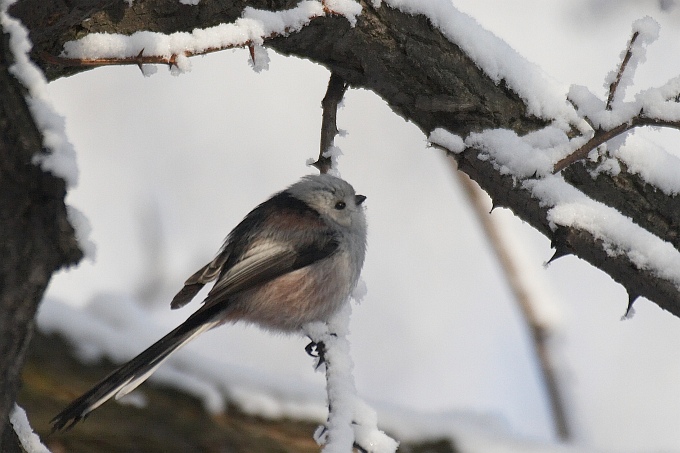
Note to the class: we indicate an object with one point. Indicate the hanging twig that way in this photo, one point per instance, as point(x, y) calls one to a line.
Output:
point(540, 333)
point(329, 127)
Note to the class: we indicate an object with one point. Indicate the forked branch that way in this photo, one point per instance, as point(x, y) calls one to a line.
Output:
point(602, 136)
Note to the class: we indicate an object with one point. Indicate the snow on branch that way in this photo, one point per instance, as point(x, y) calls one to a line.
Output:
point(351, 422)
point(569, 207)
point(29, 440)
point(615, 117)
point(500, 62)
point(59, 157)
point(251, 30)
point(645, 32)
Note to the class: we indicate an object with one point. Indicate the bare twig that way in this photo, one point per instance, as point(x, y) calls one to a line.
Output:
point(540, 333)
point(582, 152)
point(626, 58)
point(329, 128)
point(601, 137)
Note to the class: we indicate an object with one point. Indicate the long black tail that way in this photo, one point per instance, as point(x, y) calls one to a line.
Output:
point(128, 376)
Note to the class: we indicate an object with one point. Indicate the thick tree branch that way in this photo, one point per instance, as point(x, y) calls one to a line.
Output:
point(36, 237)
point(422, 76)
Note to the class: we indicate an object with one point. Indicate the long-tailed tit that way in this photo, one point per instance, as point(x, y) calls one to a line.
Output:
point(292, 260)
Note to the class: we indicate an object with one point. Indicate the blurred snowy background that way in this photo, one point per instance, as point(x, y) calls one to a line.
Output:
point(168, 165)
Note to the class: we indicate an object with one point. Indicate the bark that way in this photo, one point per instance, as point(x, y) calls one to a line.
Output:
point(35, 236)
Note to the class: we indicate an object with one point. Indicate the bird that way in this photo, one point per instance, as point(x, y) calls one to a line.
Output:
point(294, 259)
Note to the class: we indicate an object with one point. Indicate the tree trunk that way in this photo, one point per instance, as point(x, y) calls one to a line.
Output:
point(35, 236)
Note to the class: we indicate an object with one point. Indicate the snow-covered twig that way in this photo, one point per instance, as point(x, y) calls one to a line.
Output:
point(622, 67)
point(615, 117)
point(29, 440)
point(603, 136)
point(145, 47)
point(351, 422)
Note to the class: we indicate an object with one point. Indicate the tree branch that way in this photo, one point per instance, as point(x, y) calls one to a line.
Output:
point(527, 301)
point(329, 126)
point(622, 67)
point(421, 75)
point(37, 238)
point(602, 136)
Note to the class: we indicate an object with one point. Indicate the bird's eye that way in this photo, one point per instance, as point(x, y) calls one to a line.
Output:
point(340, 205)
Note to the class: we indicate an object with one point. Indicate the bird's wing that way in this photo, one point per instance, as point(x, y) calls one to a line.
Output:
point(204, 275)
point(266, 260)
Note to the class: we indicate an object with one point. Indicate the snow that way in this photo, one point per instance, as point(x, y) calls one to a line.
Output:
point(620, 235)
point(653, 163)
point(661, 102)
point(350, 419)
point(61, 157)
point(29, 440)
point(83, 230)
point(350, 9)
point(522, 157)
point(543, 96)
point(646, 31)
point(452, 142)
point(591, 107)
point(253, 28)
point(259, 59)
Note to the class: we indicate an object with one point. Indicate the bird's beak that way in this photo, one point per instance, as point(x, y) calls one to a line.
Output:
point(358, 199)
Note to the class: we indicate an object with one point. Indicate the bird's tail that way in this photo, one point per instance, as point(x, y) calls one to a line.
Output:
point(128, 376)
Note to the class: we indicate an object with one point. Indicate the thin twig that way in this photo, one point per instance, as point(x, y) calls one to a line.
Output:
point(329, 127)
point(626, 58)
point(582, 152)
point(603, 136)
point(137, 60)
point(527, 302)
